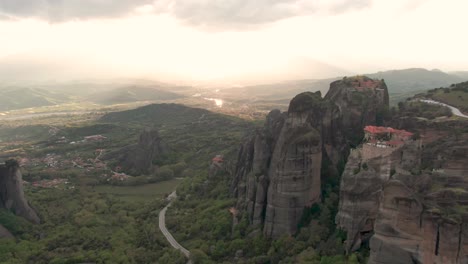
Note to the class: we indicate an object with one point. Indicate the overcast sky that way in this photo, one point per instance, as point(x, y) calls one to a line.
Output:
point(228, 39)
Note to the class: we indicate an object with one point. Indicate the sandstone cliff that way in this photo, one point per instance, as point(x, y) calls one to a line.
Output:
point(361, 101)
point(362, 185)
point(411, 204)
point(279, 169)
point(138, 159)
point(11, 192)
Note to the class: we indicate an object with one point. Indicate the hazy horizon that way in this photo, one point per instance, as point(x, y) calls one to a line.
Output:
point(233, 42)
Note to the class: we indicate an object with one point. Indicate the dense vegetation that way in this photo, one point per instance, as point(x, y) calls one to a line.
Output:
point(201, 220)
point(132, 94)
point(102, 223)
point(88, 221)
point(87, 226)
point(423, 110)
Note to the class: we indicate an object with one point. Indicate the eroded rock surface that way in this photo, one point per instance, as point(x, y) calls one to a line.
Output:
point(11, 192)
point(410, 205)
point(280, 166)
point(138, 159)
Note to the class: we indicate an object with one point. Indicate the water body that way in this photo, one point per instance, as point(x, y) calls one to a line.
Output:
point(218, 102)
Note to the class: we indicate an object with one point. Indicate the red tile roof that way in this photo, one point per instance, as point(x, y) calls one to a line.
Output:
point(381, 130)
point(217, 159)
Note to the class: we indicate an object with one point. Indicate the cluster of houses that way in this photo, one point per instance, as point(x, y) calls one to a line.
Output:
point(118, 176)
point(55, 183)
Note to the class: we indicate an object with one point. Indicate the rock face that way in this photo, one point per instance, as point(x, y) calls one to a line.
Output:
point(279, 168)
point(408, 215)
point(294, 170)
point(361, 101)
point(138, 159)
point(11, 192)
point(362, 186)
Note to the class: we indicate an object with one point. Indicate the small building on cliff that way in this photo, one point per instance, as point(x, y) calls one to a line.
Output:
point(382, 141)
point(363, 83)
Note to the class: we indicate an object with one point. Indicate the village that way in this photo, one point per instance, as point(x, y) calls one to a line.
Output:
point(57, 166)
point(55, 163)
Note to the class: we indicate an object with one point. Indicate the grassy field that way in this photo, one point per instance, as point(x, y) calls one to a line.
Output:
point(141, 192)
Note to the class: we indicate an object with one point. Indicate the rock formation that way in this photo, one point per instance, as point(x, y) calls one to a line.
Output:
point(11, 192)
point(368, 168)
point(361, 101)
point(138, 159)
point(407, 214)
point(279, 168)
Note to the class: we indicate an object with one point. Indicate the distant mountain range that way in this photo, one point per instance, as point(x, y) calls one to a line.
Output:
point(13, 98)
point(402, 84)
point(132, 94)
point(406, 83)
point(17, 98)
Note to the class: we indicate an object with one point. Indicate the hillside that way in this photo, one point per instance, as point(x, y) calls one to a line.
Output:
point(277, 91)
point(415, 79)
point(401, 83)
point(89, 212)
point(195, 134)
point(132, 94)
point(161, 114)
point(408, 82)
point(455, 95)
point(462, 74)
point(18, 98)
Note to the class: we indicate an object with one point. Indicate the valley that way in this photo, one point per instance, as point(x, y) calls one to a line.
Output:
point(233, 132)
point(248, 192)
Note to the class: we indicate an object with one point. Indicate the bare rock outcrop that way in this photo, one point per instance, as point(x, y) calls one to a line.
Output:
point(409, 205)
point(138, 159)
point(280, 167)
point(361, 101)
point(12, 194)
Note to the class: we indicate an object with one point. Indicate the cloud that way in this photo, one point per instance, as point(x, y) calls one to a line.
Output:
point(215, 14)
point(246, 13)
point(65, 10)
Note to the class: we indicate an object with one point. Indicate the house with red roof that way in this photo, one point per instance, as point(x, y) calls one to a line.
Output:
point(218, 159)
point(386, 134)
point(382, 141)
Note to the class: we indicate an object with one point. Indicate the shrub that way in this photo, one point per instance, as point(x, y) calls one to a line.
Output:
point(364, 166)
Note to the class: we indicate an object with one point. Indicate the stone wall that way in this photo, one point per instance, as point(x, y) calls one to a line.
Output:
point(370, 151)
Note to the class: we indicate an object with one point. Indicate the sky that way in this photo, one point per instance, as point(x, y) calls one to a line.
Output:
point(228, 40)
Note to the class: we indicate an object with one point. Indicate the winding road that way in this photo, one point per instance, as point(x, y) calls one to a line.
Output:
point(454, 110)
point(167, 234)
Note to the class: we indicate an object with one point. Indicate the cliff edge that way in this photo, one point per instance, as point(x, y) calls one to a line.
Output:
point(405, 199)
point(280, 166)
